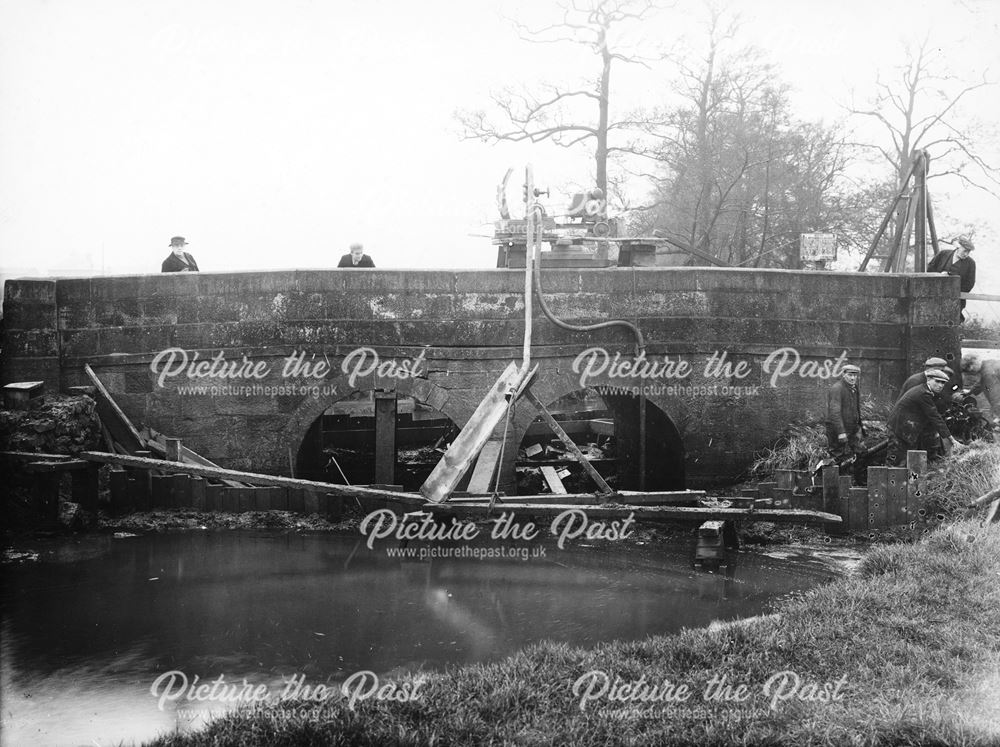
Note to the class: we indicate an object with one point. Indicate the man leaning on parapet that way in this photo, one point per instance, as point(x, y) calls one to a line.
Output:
point(957, 262)
point(844, 430)
point(357, 258)
point(915, 418)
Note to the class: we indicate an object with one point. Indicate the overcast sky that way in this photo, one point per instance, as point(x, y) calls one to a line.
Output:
point(272, 134)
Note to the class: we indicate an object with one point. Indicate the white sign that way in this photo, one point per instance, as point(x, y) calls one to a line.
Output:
point(818, 246)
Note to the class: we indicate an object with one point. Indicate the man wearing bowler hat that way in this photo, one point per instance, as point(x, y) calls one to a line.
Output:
point(178, 260)
point(915, 418)
point(843, 415)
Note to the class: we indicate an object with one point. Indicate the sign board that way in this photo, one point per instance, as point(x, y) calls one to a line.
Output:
point(818, 246)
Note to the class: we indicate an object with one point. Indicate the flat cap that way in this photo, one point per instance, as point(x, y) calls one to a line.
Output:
point(851, 369)
point(935, 363)
point(936, 373)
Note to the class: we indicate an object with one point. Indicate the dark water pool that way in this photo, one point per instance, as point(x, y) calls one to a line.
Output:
point(89, 627)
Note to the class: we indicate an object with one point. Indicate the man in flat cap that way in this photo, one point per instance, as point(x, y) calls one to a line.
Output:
point(178, 260)
point(357, 258)
point(843, 415)
point(957, 262)
point(919, 377)
point(915, 417)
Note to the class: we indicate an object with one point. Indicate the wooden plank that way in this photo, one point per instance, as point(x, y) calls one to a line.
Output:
point(45, 494)
point(334, 506)
point(473, 436)
point(553, 481)
point(784, 479)
point(916, 490)
point(213, 497)
point(279, 499)
point(173, 450)
point(573, 449)
point(85, 487)
point(247, 477)
point(118, 485)
point(844, 507)
point(624, 497)
point(198, 501)
point(486, 467)
point(159, 495)
point(180, 496)
point(35, 456)
point(831, 489)
point(114, 419)
point(296, 500)
point(993, 514)
point(385, 437)
point(782, 497)
point(310, 503)
point(878, 491)
point(642, 513)
point(858, 516)
point(896, 496)
point(157, 444)
point(47, 466)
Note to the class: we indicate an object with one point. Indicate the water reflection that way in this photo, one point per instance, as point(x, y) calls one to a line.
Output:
point(84, 640)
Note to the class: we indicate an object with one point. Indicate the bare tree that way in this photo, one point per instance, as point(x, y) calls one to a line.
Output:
point(920, 109)
point(737, 177)
point(552, 112)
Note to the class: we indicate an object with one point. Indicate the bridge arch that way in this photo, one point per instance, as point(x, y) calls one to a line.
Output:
point(665, 457)
point(305, 434)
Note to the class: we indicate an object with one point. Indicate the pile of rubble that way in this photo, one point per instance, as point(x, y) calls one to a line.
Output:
point(53, 424)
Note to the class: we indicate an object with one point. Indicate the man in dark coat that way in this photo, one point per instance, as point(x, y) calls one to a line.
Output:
point(843, 415)
point(357, 258)
point(957, 262)
point(178, 260)
point(915, 416)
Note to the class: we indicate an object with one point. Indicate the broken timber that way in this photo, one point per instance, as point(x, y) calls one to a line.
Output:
point(641, 513)
point(466, 447)
point(249, 477)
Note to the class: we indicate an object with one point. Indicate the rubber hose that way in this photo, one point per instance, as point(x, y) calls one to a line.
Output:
point(640, 343)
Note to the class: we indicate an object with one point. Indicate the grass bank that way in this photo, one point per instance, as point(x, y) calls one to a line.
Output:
point(907, 651)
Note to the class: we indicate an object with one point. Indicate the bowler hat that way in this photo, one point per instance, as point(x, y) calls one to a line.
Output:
point(936, 373)
point(178, 241)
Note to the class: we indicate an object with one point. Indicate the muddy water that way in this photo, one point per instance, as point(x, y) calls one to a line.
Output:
point(89, 627)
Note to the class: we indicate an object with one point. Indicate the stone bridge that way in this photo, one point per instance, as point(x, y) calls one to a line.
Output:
point(733, 356)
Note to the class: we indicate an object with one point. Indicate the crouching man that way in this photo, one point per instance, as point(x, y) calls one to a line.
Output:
point(915, 415)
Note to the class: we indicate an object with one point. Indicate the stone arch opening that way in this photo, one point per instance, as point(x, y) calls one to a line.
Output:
point(345, 438)
point(607, 430)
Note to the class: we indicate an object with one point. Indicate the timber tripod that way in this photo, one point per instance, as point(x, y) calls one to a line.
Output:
point(914, 214)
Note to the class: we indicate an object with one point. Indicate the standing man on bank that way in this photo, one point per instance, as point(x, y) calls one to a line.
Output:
point(915, 418)
point(357, 258)
point(843, 415)
point(178, 260)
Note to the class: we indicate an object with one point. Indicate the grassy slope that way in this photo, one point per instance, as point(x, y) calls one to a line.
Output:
point(916, 633)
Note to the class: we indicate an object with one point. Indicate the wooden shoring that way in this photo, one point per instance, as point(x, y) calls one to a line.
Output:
point(112, 417)
point(573, 449)
point(477, 431)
